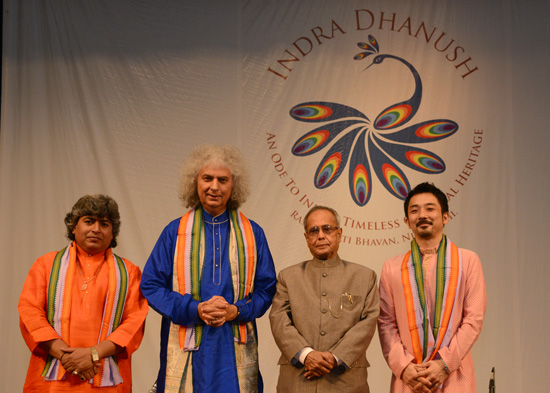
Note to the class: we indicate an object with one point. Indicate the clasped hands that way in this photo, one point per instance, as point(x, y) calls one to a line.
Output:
point(217, 311)
point(426, 377)
point(78, 361)
point(319, 363)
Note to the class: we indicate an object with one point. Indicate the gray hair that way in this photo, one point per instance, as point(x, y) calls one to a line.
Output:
point(96, 206)
point(319, 207)
point(206, 154)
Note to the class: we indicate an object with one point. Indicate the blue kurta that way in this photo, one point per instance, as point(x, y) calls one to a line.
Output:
point(214, 365)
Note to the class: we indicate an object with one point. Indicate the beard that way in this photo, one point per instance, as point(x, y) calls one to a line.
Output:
point(424, 232)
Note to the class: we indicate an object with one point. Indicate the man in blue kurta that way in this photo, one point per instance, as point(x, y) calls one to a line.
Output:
point(210, 276)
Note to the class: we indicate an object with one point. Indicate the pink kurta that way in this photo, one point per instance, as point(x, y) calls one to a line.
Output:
point(86, 315)
point(393, 326)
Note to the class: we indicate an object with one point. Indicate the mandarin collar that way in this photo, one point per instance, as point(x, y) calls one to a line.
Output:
point(429, 250)
point(219, 219)
point(100, 256)
point(321, 263)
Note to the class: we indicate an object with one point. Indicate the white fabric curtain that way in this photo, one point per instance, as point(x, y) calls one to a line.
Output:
point(109, 97)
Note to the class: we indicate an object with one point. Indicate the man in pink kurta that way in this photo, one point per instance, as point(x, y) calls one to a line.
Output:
point(93, 225)
point(447, 366)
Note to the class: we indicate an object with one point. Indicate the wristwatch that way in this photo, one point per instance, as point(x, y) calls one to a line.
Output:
point(95, 355)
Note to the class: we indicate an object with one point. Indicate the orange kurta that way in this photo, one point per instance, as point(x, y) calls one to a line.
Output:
point(86, 315)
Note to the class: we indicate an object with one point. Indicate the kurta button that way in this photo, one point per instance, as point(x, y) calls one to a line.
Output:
point(324, 294)
point(324, 311)
point(322, 333)
point(324, 274)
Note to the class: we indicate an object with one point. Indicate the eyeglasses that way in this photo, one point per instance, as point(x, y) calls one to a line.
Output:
point(342, 296)
point(327, 230)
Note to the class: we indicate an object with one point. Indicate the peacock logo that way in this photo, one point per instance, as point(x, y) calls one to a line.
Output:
point(383, 146)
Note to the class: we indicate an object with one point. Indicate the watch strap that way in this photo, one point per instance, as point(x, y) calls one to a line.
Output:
point(95, 354)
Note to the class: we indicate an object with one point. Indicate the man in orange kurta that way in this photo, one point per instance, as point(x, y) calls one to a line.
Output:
point(445, 363)
point(81, 350)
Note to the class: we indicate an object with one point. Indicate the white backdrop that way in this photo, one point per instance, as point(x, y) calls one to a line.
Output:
point(109, 97)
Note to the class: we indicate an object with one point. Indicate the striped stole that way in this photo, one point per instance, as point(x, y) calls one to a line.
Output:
point(429, 333)
point(59, 300)
point(186, 279)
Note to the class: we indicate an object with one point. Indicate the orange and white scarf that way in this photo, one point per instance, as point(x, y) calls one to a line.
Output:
point(187, 268)
point(430, 333)
point(60, 290)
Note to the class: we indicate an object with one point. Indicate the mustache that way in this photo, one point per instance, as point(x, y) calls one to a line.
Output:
point(421, 222)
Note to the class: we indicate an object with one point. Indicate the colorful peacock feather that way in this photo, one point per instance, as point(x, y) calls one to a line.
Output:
point(386, 148)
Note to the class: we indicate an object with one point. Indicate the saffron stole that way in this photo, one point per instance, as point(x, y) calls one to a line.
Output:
point(187, 268)
point(429, 334)
point(59, 300)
